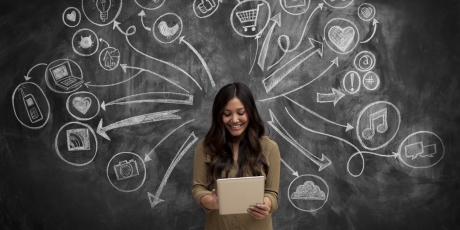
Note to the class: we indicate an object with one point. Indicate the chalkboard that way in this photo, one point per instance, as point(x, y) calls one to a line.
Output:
point(103, 102)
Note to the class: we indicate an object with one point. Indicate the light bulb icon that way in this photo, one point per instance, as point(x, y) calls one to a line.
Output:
point(103, 6)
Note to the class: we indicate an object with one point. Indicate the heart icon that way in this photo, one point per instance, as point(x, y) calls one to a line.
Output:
point(72, 16)
point(366, 11)
point(82, 104)
point(341, 38)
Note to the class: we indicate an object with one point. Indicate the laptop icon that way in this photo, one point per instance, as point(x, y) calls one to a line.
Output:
point(62, 75)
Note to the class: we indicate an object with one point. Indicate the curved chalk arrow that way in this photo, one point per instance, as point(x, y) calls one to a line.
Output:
point(149, 97)
point(147, 156)
point(257, 50)
point(334, 62)
point(263, 52)
point(155, 199)
point(102, 40)
point(334, 97)
point(348, 126)
point(295, 173)
point(322, 163)
point(142, 119)
point(117, 25)
point(30, 70)
point(142, 15)
point(181, 39)
point(278, 75)
point(374, 24)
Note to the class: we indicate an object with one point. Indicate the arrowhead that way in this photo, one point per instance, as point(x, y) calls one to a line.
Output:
point(349, 127)
point(153, 199)
point(27, 78)
point(100, 130)
point(321, 6)
point(295, 174)
point(257, 37)
point(337, 95)
point(318, 45)
point(374, 22)
point(325, 164)
point(103, 105)
point(181, 39)
point(395, 154)
point(123, 66)
point(115, 24)
point(87, 84)
point(221, 1)
point(336, 61)
point(142, 13)
point(147, 158)
point(277, 19)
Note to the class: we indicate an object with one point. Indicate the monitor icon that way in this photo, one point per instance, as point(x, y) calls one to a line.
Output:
point(62, 76)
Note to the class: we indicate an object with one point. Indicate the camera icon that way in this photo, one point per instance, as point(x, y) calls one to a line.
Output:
point(126, 169)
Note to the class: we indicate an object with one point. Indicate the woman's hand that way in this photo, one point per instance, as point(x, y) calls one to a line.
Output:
point(210, 201)
point(260, 211)
point(215, 199)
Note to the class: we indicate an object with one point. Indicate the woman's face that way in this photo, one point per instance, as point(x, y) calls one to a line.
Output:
point(235, 118)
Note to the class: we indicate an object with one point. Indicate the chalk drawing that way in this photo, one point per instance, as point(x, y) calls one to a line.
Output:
point(374, 25)
point(167, 28)
point(382, 116)
point(26, 77)
point(341, 35)
point(295, 7)
point(364, 61)
point(152, 97)
point(205, 8)
point(371, 81)
point(102, 7)
point(338, 4)
point(63, 76)
point(142, 15)
point(351, 82)
point(130, 31)
point(155, 199)
point(333, 62)
point(137, 120)
point(85, 42)
point(71, 17)
point(278, 75)
point(422, 149)
point(203, 62)
point(322, 162)
point(82, 105)
point(151, 4)
point(295, 173)
point(28, 98)
point(109, 58)
point(333, 97)
point(263, 52)
point(147, 156)
point(126, 172)
point(308, 193)
point(366, 12)
point(77, 146)
point(247, 19)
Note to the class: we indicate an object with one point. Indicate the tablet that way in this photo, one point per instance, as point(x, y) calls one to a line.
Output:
point(236, 195)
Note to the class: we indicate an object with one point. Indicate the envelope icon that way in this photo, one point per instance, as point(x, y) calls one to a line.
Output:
point(294, 3)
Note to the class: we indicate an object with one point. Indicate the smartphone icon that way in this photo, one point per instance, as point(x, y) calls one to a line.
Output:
point(32, 108)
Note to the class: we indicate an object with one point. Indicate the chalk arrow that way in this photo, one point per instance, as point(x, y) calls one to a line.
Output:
point(142, 119)
point(257, 50)
point(322, 162)
point(263, 52)
point(278, 75)
point(102, 40)
point(348, 126)
point(155, 199)
point(181, 39)
point(374, 24)
point(295, 173)
point(30, 70)
point(153, 97)
point(142, 15)
point(333, 62)
point(334, 97)
point(117, 25)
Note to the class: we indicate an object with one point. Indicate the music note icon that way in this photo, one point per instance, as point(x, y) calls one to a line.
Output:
point(379, 117)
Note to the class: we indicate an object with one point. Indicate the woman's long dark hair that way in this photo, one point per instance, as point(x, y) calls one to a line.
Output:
point(217, 142)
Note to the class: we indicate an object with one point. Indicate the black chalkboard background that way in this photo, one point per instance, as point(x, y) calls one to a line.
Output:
point(44, 185)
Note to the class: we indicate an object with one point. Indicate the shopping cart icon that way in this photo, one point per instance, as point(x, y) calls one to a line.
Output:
point(249, 17)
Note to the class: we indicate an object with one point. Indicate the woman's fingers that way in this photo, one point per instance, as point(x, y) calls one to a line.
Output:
point(259, 212)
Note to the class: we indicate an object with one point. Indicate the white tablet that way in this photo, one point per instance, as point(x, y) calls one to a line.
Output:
point(236, 195)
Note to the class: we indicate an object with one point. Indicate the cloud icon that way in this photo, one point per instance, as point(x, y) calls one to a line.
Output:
point(308, 191)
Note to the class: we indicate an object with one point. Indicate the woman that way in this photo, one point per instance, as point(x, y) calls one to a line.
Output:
point(235, 146)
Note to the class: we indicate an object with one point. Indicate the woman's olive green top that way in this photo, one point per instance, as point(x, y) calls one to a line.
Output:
point(237, 221)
